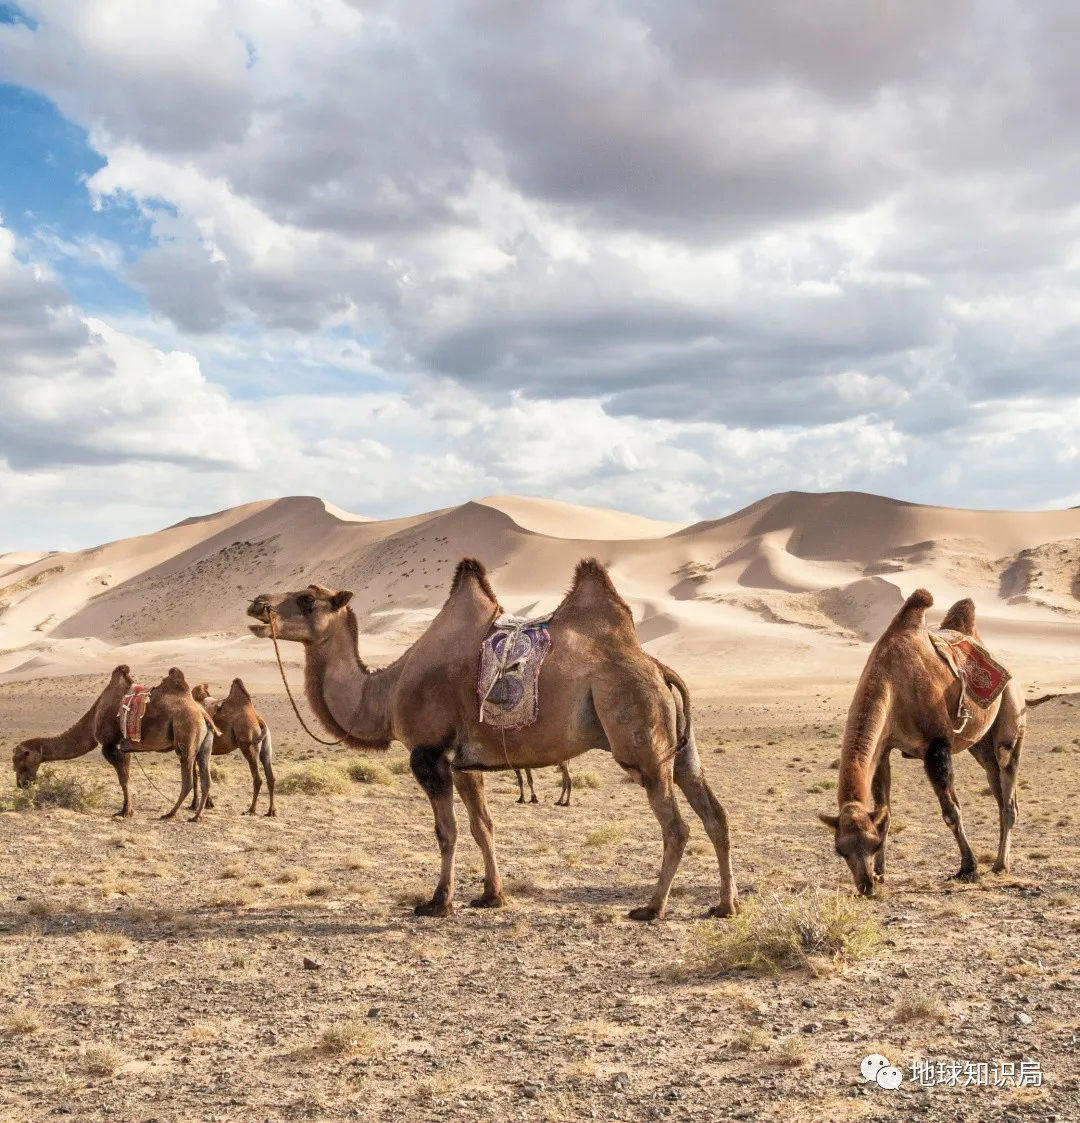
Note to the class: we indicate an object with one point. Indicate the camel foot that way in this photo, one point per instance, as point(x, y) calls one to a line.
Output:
point(122, 814)
point(645, 912)
point(434, 908)
point(534, 800)
point(488, 901)
point(521, 799)
point(1000, 867)
point(722, 911)
point(167, 815)
point(965, 875)
point(271, 814)
point(194, 818)
point(250, 811)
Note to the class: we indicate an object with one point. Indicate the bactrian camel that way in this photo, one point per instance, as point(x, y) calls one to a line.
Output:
point(908, 699)
point(175, 721)
point(98, 726)
point(564, 795)
point(241, 728)
point(598, 690)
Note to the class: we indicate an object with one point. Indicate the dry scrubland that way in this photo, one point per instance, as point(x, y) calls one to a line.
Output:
point(155, 971)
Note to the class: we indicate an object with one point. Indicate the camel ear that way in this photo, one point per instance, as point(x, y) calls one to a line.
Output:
point(879, 816)
point(339, 600)
point(831, 821)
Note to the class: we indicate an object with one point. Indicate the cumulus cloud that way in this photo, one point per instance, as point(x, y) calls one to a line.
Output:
point(742, 247)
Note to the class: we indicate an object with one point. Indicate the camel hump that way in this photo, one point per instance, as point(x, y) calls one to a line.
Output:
point(175, 679)
point(471, 568)
point(592, 586)
point(961, 617)
point(122, 669)
point(238, 687)
point(912, 612)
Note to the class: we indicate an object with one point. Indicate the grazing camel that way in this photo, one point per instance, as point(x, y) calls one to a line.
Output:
point(564, 796)
point(175, 721)
point(98, 726)
point(599, 689)
point(908, 698)
point(241, 728)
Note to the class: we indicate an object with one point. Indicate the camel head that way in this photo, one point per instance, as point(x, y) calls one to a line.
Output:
point(859, 836)
point(307, 616)
point(201, 691)
point(26, 760)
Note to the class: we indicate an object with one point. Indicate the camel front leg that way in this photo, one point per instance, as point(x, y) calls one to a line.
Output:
point(521, 785)
point(939, 769)
point(710, 811)
point(203, 752)
point(266, 758)
point(121, 763)
point(532, 789)
point(470, 786)
point(432, 771)
point(881, 788)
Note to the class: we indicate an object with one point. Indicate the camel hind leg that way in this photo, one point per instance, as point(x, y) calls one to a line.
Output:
point(521, 785)
point(187, 770)
point(202, 754)
point(709, 810)
point(247, 750)
point(532, 789)
point(567, 786)
point(1001, 764)
point(939, 769)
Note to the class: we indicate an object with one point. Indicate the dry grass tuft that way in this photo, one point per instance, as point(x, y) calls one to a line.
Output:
point(792, 1052)
point(366, 771)
point(23, 1021)
point(774, 932)
point(919, 1006)
point(317, 777)
point(102, 1060)
point(604, 836)
point(586, 780)
point(749, 1040)
point(347, 1038)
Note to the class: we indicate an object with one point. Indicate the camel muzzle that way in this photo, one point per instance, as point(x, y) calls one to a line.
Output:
point(260, 610)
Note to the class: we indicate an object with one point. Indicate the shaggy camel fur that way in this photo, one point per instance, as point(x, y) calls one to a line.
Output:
point(599, 689)
point(98, 726)
point(564, 796)
point(907, 699)
point(241, 728)
point(175, 721)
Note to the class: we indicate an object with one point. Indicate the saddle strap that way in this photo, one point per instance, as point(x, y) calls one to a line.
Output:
point(945, 651)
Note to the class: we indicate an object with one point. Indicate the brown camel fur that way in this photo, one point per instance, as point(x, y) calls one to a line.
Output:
point(564, 796)
point(241, 728)
point(599, 689)
point(907, 699)
point(98, 726)
point(175, 721)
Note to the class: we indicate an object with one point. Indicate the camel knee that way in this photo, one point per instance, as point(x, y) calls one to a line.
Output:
point(432, 770)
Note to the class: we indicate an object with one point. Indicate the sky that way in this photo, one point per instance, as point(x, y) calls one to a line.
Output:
point(662, 257)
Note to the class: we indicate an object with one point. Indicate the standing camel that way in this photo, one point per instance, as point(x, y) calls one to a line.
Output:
point(908, 698)
point(241, 728)
point(599, 689)
point(98, 726)
point(175, 721)
point(564, 796)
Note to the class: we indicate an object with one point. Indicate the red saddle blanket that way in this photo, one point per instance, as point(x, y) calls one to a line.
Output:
point(132, 711)
point(983, 676)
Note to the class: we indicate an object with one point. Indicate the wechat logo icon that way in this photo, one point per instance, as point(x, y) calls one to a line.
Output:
point(879, 1070)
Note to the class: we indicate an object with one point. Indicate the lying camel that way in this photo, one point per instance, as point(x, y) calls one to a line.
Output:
point(241, 728)
point(599, 689)
point(567, 786)
point(175, 721)
point(98, 726)
point(909, 699)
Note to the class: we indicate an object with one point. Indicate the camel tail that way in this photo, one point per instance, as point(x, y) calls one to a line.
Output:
point(676, 684)
point(1031, 703)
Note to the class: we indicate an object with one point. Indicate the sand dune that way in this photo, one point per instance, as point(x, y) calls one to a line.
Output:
point(794, 584)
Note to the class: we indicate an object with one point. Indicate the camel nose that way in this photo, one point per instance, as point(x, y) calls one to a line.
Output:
point(260, 608)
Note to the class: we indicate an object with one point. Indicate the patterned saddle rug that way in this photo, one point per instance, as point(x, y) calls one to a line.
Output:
point(133, 710)
point(982, 677)
point(507, 683)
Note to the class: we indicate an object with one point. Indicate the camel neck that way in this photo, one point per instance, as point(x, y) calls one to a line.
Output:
point(863, 736)
point(73, 742)
point(348, 698)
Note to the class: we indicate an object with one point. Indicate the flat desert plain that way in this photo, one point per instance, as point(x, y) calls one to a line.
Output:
point(245, 968)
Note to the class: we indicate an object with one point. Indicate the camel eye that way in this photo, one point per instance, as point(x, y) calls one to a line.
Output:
point(306, 602)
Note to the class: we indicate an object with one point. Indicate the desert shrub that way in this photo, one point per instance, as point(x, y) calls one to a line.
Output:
point(23, 1020)
point(346, 1038)
point(584, 780)
point(69, 791)
point(775, 932)
point(399, 766)
point(791, 1052)
point(218, 775)
point(102, 1060)
point(317, 777)
point(366, 771)
point(919, 1006)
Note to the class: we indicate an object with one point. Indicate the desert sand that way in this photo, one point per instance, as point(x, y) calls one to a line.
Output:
point(177, 949)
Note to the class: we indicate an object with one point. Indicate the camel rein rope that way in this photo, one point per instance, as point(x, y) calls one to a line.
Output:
point(281, 669)
point(148, 780)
